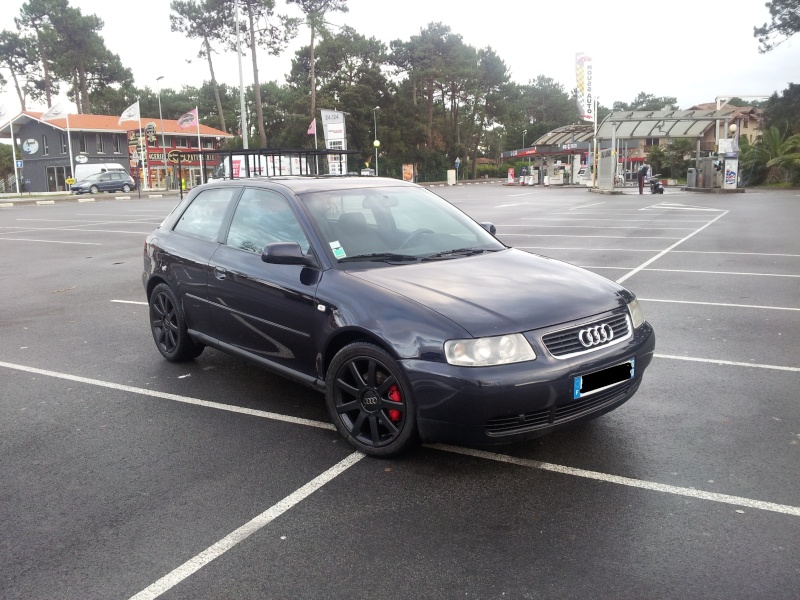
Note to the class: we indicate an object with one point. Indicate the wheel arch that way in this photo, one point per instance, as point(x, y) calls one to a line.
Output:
point(152, 283)
point(347, 337)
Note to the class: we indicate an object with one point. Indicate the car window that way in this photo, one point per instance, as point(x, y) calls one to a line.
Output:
point(403, 220)
point(263, 217)
point(203, 217)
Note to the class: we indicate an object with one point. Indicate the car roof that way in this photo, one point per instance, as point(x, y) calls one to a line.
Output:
point(305, 185)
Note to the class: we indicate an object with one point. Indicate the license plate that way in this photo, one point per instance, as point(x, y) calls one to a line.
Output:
point(584, 385)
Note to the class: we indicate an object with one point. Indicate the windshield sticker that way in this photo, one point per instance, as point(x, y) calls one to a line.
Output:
point(338, 251)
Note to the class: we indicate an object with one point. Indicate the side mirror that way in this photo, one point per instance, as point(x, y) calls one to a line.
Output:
point(287, 253)
point(489, 227)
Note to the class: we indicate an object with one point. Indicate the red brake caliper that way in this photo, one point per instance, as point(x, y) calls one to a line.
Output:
point(394, 396)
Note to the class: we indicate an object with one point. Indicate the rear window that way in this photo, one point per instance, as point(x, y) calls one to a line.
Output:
point(204, 216)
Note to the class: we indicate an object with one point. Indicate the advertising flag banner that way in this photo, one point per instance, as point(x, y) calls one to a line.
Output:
point(583, 79)
point(57, 111)
point(312, 129)
point(130, 114)
point(188, 120)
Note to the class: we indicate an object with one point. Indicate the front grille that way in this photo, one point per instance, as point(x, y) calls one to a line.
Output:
point(564, 343)
point(517, 423)
point(569, 411)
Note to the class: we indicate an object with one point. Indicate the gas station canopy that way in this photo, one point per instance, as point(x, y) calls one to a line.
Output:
point(627, 124)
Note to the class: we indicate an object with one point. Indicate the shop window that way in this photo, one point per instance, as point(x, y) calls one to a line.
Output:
point(82, 143)
point(45, 149)
point(117, 144)
point(101, 147)
point(182, 142)
point(651, 141)
point(64, 143)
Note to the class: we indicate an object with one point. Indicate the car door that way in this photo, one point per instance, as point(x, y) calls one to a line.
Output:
point(264, 310)
point(116, 181)
point(107, 183)
point(184, 251)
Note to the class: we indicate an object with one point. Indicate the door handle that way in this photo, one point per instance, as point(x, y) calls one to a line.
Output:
point(219, 272)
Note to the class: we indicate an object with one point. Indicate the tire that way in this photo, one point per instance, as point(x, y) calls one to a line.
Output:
point(126, 188)
point(369, 401)
point(93, 189)
point(169, 326)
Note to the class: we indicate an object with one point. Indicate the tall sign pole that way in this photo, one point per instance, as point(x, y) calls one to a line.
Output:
point(243, 115)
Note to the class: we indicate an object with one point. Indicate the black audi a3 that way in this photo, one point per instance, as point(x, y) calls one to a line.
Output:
point(412, 319)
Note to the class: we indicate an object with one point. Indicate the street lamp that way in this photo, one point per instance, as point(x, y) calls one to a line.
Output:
point(524, 131)
point(161, 118)
point(376, 143)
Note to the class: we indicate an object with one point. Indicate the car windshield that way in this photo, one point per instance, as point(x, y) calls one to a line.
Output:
point(394, 225)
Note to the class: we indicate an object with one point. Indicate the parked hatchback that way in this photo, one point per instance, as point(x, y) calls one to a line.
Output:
point(110, 181)
point(412, 319)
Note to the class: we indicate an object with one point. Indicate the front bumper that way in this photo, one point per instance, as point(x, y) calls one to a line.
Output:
point(510, 403)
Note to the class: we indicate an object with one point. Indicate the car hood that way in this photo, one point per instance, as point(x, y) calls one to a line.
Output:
point(501, 292)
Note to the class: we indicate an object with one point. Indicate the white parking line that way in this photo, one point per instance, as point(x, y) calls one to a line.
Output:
point(174, 397)
point(627, 481)
point(130, 302)
point(5, 239)
point(605, 219)
point(570, 235)
point(491, 456)
point(242, 533)
point(590, 249)
point(663, 252)
point(728, 363)
point(691, 271)
point(734, 253)
point(533, 226)
point(587, 205)
point(211, 553)
point(720, 304)
point(656, 250)
point(73, 230)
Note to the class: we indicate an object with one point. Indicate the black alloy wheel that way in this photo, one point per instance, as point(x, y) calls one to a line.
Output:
point(369, 400)
point(169, 326)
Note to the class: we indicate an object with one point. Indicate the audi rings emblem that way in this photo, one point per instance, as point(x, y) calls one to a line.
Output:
point(594, 336)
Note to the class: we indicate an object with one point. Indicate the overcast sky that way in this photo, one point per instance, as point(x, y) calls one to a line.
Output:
point(694, 50)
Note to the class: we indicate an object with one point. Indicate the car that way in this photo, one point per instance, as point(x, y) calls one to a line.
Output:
point(414, 321)
point(110, 181)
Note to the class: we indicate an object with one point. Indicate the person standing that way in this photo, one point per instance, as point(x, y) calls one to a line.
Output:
point(641, 175)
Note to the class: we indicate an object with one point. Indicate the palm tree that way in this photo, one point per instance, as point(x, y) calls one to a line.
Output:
point(780, 154)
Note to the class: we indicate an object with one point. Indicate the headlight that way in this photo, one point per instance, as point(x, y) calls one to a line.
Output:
point(637, 314)
point(484, 352)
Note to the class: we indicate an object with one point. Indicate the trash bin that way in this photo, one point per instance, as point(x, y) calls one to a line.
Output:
point(691, 178)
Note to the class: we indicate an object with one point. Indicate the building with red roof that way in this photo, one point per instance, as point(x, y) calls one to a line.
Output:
point(48, 161)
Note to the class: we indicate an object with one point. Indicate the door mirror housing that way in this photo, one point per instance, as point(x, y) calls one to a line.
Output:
point(287, 253)
point(489, 227)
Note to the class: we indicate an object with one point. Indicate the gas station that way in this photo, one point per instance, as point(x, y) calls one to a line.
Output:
point(564, 156)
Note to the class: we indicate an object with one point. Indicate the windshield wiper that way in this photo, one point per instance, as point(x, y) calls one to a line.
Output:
point(380, 256)
point(459, 252)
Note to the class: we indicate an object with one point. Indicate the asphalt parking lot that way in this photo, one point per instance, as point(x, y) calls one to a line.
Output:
point(125, 476)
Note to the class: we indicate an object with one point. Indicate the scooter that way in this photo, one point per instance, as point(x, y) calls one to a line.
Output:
point(656, 187)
